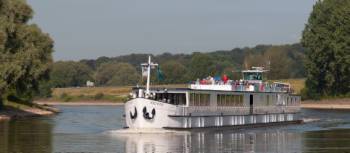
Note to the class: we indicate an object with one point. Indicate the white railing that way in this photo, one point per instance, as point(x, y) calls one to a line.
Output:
point(275, 109)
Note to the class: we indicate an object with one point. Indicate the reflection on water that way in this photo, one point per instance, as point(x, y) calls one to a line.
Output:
point(334, 141)
point(26, 136)
point(85, 129)
point(213, 142)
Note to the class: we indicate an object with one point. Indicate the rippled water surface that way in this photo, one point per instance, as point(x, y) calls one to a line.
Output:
point(90, 129)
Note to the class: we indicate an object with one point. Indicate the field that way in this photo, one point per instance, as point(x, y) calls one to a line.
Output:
point(109, 94)
point(87, 91)
point(120, 94)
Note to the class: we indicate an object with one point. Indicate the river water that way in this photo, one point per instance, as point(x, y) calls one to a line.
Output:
point(92, 129)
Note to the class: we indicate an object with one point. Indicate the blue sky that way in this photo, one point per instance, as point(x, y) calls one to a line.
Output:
point(92, 28)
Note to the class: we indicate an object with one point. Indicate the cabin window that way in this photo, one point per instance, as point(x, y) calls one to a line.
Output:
point(229, 100)
point(252, 76)
point(294, 101)
point(171, 98)
point(192, 99)
point(199, 99)
point(268, 100)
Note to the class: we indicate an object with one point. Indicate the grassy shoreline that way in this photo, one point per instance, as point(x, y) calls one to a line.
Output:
point(89, 94)
point(119, 95)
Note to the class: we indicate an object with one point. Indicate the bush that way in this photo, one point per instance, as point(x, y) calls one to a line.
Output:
point(65, 97)
point(1, 104)
point(306, 93)
point(98, 96)
point(44, 90)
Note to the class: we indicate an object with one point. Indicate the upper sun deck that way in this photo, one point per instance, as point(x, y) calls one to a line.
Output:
point(244, 87)
point(252, 82)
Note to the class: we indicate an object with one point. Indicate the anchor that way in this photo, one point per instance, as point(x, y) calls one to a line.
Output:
point(133, 116)
point(146, 115)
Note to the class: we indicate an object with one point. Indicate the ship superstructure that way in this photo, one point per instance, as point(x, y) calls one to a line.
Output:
point(213, 102)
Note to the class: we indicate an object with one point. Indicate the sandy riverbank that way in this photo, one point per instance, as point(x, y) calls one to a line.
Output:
point(89, 103)
point(327, 104)
point(13, 113)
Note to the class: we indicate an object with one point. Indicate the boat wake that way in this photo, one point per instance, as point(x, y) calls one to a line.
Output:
point(308, 120)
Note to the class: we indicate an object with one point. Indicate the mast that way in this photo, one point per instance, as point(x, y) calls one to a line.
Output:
point(149, 65)
point(148, 75)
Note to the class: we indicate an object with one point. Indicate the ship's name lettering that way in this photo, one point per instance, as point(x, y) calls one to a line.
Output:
point(155, 103)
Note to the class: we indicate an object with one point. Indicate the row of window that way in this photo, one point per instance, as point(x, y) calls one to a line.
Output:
point(229, 100)
point(199, 99)
point(202, 99)
point(292, 101)
point(289, 101)
point(171, 98)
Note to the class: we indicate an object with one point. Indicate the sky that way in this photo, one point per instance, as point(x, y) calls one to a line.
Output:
point(87, 29)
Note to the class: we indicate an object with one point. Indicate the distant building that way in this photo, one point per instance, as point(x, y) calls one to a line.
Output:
point(90, 84)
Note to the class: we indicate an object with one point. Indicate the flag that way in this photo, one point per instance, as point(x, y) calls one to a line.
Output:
point(160, 75)
point(144, 71)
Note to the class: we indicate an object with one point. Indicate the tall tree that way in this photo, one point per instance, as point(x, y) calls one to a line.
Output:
point(25, 50)
point(326, 38)
point(117, 74)
point(278, 63)
point(201, 66)
point(174, 72)
point(275, 59)
point(70, 74)
point(254, 59)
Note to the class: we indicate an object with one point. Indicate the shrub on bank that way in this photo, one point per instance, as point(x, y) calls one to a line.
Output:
point(65, 97)
point(97, 97)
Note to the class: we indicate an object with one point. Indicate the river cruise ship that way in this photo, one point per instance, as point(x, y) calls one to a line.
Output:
point(213, 103)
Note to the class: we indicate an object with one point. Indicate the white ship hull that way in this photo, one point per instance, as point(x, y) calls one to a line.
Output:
point(154, 114)
point(144, 117)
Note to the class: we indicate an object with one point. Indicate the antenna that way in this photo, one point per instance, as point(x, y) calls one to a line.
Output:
point(268, 65)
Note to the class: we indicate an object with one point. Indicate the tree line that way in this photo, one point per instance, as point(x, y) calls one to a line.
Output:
point(284, 61)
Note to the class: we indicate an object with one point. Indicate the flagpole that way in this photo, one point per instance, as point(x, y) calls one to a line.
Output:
point(148, 75)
